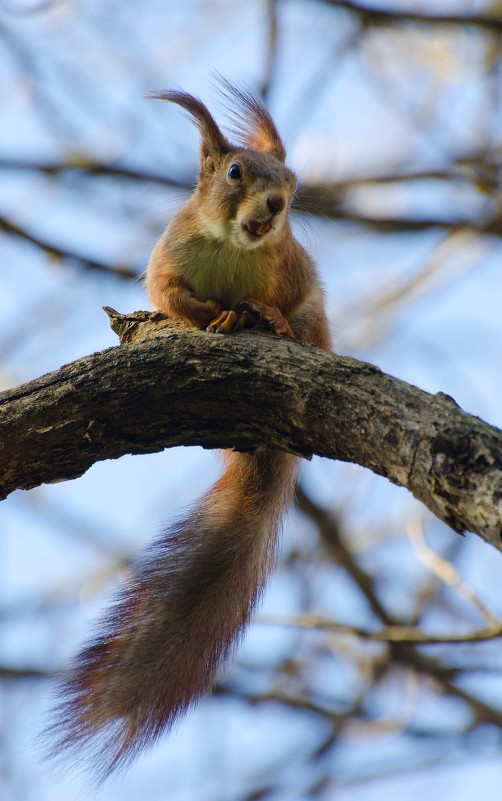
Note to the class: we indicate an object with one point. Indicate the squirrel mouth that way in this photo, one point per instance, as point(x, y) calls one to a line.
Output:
point(256, 229)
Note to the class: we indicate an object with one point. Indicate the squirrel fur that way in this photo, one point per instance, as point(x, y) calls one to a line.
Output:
point(227, 260)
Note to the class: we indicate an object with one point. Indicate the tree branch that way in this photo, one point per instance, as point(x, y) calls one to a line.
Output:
point(393, 634)
point(327, 200)
point(168, 385)
point(373, 15)
point(57, 252)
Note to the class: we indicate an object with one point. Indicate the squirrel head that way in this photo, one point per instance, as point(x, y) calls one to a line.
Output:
point(245, 189)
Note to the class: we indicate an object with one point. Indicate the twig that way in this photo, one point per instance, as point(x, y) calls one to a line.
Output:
point(395, 634)
point(445, 571)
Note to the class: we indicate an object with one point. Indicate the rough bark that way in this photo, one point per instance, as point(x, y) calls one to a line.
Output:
point(167, 385)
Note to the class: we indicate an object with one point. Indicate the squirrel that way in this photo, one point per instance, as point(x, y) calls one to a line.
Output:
point(227, 261)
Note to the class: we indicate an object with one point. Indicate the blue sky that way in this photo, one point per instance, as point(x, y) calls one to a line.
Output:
point(345, 111)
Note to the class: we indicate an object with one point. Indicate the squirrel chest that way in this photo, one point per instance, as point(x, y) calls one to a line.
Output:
point(219, 270)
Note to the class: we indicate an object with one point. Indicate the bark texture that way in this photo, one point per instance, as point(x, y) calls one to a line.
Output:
point(169, 385)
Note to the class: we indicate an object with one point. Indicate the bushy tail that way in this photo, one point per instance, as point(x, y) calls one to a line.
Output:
point(179, 617)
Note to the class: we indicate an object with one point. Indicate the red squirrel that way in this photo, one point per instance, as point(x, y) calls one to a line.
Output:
point(227, 260)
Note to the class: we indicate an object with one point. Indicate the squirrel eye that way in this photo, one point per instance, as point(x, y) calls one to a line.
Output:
point(235, 172)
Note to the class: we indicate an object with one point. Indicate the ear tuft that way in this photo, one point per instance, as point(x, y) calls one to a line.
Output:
point(212, 140)
point(252, 124)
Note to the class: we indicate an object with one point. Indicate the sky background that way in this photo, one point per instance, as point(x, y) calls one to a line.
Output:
point(396, 129)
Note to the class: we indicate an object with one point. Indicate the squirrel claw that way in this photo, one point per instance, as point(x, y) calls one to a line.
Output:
point(225, 323)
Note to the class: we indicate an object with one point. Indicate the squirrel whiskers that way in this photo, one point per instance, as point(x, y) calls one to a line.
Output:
point(227, 260)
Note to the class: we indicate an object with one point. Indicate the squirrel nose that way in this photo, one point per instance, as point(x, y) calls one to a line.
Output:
point(275, 203)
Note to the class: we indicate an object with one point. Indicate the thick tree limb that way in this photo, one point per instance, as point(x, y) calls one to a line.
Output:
point(167, 385)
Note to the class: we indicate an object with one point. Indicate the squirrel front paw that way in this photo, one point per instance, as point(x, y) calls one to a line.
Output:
point(253, 310)
point(230, 321)
point(246, 314)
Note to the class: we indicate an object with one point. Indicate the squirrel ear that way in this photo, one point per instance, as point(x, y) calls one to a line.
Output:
point(252, 124)
point(213, 142)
